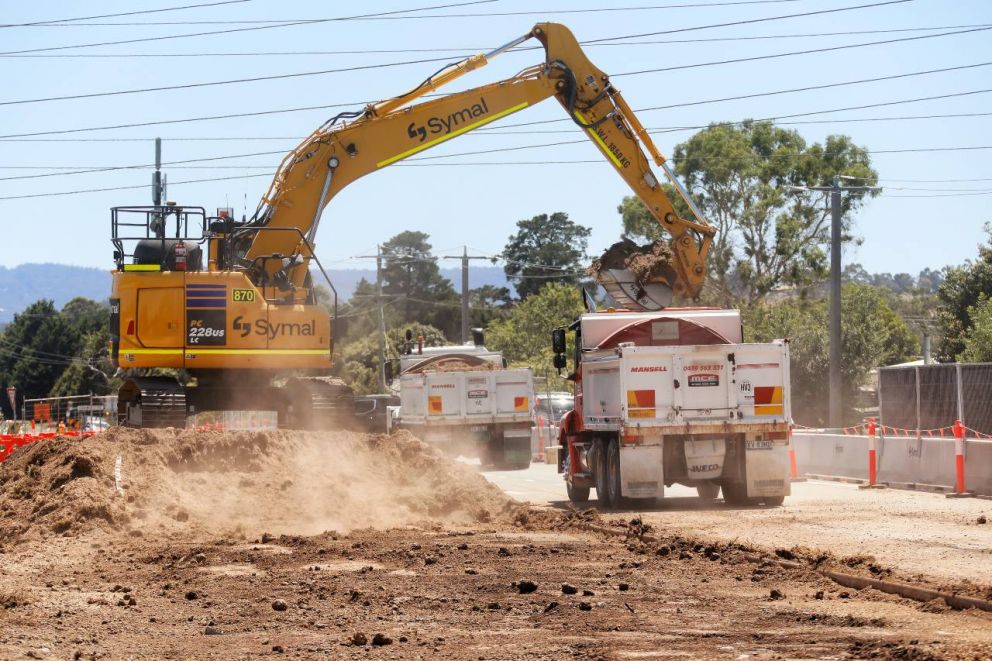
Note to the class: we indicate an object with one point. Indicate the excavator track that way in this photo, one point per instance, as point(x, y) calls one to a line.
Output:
point(152, 402)
point(319, 403)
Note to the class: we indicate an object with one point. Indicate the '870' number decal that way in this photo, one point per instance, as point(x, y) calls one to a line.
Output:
point(243, 295)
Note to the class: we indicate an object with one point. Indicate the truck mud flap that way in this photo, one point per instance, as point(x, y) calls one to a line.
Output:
point(642, 471)
point(767, 469)
point(516, 447)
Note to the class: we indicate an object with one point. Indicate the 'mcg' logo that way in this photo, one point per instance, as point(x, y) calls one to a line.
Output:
point(446, 125)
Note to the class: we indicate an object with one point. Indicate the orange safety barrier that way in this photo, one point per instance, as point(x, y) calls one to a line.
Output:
point(959, 429)
point(872, 457)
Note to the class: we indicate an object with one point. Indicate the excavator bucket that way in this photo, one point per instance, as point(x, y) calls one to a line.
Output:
point(636, 277)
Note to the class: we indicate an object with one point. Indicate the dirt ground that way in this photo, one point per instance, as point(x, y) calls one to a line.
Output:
point(90, 571)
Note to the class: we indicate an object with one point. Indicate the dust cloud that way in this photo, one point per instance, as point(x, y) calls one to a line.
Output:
point(162, 482)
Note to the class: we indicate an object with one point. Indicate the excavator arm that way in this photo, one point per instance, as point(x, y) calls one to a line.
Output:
point(341, 151)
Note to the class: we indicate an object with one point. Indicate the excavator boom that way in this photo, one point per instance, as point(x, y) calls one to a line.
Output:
point(384, 133)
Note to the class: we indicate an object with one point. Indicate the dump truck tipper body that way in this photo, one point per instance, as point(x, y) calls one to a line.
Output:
point(465, 401)
point(676, 397)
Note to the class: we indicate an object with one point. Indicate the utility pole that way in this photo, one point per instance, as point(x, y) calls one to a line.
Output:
point(158, 179)
point(836, 412)
point(382, 315)
point(382, 319)
point(465, 257)
point(836, 417)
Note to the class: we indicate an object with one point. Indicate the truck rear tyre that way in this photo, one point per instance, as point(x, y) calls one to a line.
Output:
point(576, 494)
point(708, 491)
point(613, 481)
point(599, 471)
point(735, 493)
point(773, 501)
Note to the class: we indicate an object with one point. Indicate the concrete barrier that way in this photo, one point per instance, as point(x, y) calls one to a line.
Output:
point(901, 460)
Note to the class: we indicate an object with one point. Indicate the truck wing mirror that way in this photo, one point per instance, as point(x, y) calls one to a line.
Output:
point(559, 361)
point(558, 340)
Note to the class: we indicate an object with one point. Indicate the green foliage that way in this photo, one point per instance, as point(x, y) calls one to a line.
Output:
point(487, 303)
point(44, 351)
point(545, 249)
point(411, 275)
point(927, 282)
point(524, 337)
point(769, 233)
point(413, 290)
point(977, 340)
point(359, 360)
point(90, 370)
point(872, 335)
point(960, 295)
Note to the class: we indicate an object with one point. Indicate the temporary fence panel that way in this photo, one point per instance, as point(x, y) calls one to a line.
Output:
point(927, 399)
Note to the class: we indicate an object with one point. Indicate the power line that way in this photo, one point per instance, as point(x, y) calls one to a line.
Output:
point(778, 117)
point(481, 132)
point(339, 105)
point(381, 51)
point(808, 51)
point(179, 164)
point(754, 20)
point(674, 129)
point(248, 29)
point(127, 13)
point(477, 164)
point(238, 81)
point(234, 81)
point(146, 165)
point(117, 188)
point(543, 12)
point(182, 121)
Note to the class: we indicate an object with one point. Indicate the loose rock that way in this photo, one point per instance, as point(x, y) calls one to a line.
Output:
point(526, 587)
point(279, 605)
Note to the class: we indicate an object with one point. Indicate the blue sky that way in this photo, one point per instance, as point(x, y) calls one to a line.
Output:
point(928, 223)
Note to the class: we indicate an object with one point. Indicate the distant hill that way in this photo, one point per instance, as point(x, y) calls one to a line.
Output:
point(23, 285)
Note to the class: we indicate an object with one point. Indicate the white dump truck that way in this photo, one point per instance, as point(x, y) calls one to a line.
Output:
point(674, 396)
point(466, 401)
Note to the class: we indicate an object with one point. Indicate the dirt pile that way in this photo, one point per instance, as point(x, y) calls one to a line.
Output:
point(648, 263)
point(148, 482)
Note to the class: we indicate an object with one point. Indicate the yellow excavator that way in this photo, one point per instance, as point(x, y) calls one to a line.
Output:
point(233, 303)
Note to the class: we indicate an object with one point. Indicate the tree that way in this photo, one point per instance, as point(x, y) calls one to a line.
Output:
point(959, 295)
point(977, 340)
point(487, 303)
point(90, 370)
point(545, 249)
point(358, 362)
point(749, 182)
point(872, 335)
point(411, 276)
point(524, 337)
point(35, 348)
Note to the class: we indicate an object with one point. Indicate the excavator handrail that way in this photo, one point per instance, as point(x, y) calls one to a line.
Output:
point(312, 255)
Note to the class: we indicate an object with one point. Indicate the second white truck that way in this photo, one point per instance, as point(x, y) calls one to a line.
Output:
point(466, 401)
